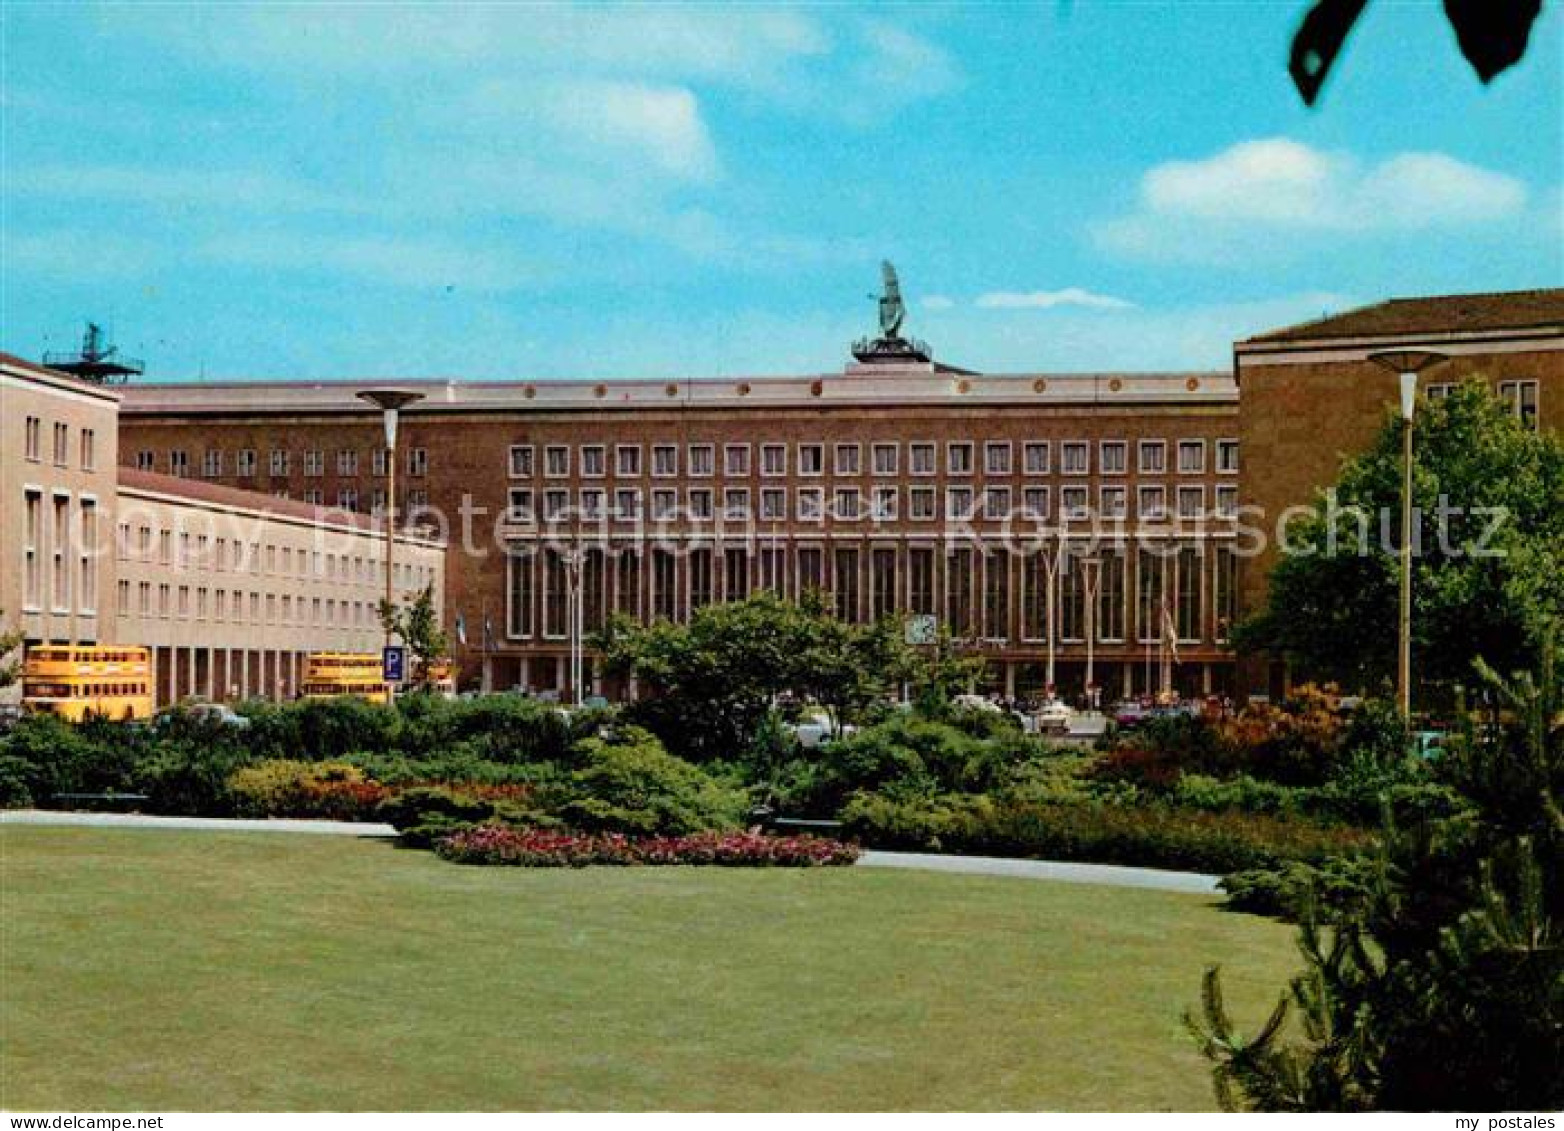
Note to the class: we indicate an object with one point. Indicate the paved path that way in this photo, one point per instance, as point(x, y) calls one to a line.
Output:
point(1106, 875)
point(209, 824)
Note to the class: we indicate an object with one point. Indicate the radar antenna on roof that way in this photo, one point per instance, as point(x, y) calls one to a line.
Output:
point(96, 361)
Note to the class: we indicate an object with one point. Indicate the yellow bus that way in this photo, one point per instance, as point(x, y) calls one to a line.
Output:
point(330, 674)
point(77, 680)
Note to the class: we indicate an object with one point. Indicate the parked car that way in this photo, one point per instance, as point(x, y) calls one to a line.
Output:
point(1129, 714)
point(215, 714)
point(815, 729)
point(1053, 717)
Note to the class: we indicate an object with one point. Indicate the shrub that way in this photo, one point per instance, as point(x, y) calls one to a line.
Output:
point(52, 756)
point(191, 777)
point(1327, 890)
point(284, 788)
point(422, 815)
point(909, 756)
point(1154, 836)
point(542, 848)
point(630, 784)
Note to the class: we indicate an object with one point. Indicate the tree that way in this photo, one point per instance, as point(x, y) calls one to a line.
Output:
point(1488, 571)
point(715, 680)
point(418, 624)
point(1492, 34)
point(11, 642)
point(1445, 990)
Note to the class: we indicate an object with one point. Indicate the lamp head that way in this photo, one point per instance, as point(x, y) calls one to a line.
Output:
point(390, 402)
point(1407, 364)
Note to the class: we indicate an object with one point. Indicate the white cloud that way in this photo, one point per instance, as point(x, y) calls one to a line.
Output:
point(937, 302)
point(1270, 195)
point(1047, 300)
point(206, 188)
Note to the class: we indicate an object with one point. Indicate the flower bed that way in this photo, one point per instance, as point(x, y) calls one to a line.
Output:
point(546, 848)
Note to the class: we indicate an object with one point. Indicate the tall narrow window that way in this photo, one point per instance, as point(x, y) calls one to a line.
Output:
point(996, 596)
point(811, 569)
point(1110, 597)
point(845, 567)
point(883, 569)
point(735, 573)
point(1190, 593)
point(1225, 597)
point(773, 570)
point(700, 578)
point(1034, 595)
point(87, 548)
point(594, 576)
point(556, 590)
point(920, 580)
point(1072, 598)
point(958, 591)
point(32, 550)
point(627, 582)
point(59, 536)
point(1150, 612)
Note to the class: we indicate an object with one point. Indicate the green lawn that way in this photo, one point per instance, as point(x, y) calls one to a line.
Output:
point(195, 971)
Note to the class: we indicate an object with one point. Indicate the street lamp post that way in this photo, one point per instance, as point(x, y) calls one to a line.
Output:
point(1052, 561)
point(1090, 567)
point(1406, 364)
point(390, 402)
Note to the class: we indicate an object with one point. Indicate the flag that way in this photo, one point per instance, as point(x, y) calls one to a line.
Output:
point(461, 630)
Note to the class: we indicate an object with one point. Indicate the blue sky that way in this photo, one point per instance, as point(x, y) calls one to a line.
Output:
point(309, 190)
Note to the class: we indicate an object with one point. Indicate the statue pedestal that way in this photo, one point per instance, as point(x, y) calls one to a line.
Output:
point(891, 351)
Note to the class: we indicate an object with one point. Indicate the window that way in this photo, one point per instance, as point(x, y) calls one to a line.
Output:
point(592, 504)
point(556, 461)
point(1189, 594)
point(279, 462)
point(811, 504)
point(212, 463)
point(920, 580)
point(1111, 607)
point(1075, 457)
point(845, 580)
point(664, 594)
point(418, 461)
point(244, 463)
point(882, 583)
point(379, 462)
point(702, 460)
point(627, 460)
point(920, 503)
point(811, 568)
point(1227, 457)
point(521, 462)
point(1114, 457)
point(700, 566)
point(627, 582)
point(920, 459)
point(1521, 397)
point(556, 504)
point(1151, 502)
point(773, 459)
point(958, 459)
point(347, 499)
point(1113, 502)
point(1035, 457)
point(665, 504)
point(32, 548)
point(996, 596)
point(62, 444)
point(594, 461)
point(958, 591)
point(35, 439)
point(885, 459)
point(735, 573)
point(811, 459)
point(1224, 596)
point(1153, 457)
point(848, 459)
point(735, 460)
point(958, 502)
point(627, 503)
point(1150, 613)
point(179, 463)
point(884, 503)
point(1438, 392)
point(59, 533)
point(773, 570)
point(1034, 501)
point(1073, 503)
point(773, 503)
point(1227, 501)
point(1191, 457)
point(996, 502)
point(315, 464)
point(735, 504)
point(145, 461)
point(847, 504)
point(665, 460)
point(313, 496)
point(1191, 502)
point(89, 456)
point(347, 462)
point(556, 593)
point(700, 502)
point(996, 458)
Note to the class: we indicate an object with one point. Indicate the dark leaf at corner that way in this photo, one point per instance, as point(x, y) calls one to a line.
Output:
point(1492, 33)
point(1318, 41)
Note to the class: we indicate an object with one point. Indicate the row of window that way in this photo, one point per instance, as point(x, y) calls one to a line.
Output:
point(198, 602)
point(998, 456)
point(60, 451)
point(879, 503)
point(186, 550)
point(246, 463)
point(1148, 595)
point(1522, 398)
point(62, 532)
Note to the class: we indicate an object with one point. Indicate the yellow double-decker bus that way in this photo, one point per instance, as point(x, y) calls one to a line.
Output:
point(77, 680)
point(330, 674)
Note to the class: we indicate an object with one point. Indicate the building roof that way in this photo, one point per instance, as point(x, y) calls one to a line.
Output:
point(875, 386)
point(1439, 315)
point(21, 367)
point(200, 491)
